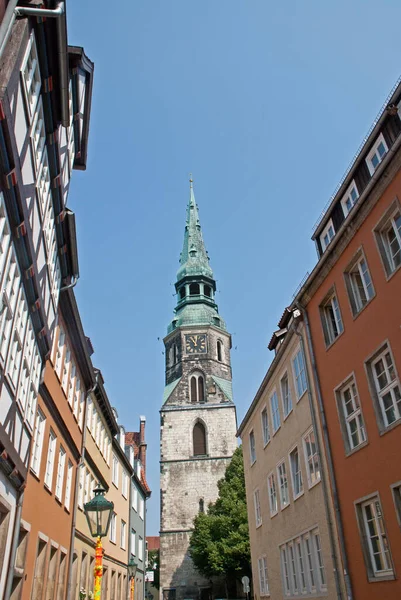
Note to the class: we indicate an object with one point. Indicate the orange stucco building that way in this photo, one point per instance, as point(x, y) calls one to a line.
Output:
point(352, 305)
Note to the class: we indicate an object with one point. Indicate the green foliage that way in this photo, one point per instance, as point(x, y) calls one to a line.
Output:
point(154, 565)
point(220, 541)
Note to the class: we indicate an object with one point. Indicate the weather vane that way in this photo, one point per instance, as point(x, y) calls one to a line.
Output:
point(190, 180)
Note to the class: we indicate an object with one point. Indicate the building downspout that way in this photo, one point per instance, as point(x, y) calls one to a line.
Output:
point(14, 547)
point(329, 457)
point(75, 507)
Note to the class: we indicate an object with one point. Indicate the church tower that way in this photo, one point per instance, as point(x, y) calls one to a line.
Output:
point(198, 418)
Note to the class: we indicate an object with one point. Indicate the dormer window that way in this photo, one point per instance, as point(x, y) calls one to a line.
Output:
point(377, 153)
point(327, 235)
point(194, 289)
point(349, 199)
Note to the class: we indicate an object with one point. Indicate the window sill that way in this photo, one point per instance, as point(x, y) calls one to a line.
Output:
point(378, 578)
point(331, 344)
point(272, 515)
point(286, 416)
point(258, 526)
point(299, 496)
point(356, 449)
point(112, 542)
point(278, 429)
point(48, 490)
point(385, 430)
point(302, 395)
point(36, 475)
point(312, 485)
point(67, 510)
point(252, 463)
point(388, 277)
point(284, 507)
point(356, 315)
point(265, 445)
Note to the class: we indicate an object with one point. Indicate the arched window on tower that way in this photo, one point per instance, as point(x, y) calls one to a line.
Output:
point(182, 292)
point(219, 350)
point(197, 387)
point(207, 291)
point(199, 439)
point(194, 289)
point(201, 505)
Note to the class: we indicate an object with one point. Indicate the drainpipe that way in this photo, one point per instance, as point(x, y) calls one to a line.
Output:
point(13, 12)
point(329, 456)
point(71, 285)
point(75, 507)
point(14, 547)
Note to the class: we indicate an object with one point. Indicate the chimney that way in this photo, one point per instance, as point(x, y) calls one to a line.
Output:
point(142, 443)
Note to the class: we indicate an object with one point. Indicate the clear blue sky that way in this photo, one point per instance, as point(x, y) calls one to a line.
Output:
point(266, 103)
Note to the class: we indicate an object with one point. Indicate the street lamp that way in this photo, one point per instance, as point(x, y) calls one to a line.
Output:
point(98, 512)
point(132, 567)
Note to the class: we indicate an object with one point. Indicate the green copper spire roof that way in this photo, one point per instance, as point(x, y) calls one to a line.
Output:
point(194, 259)
point(195, 283)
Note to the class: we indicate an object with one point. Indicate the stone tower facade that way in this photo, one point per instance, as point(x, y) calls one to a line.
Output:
point(198, 418)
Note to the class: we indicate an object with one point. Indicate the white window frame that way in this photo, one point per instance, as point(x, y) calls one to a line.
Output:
point(38, 135)
point(252, 447)
point(81, 487)
point(135, 498)
point(359, 283)
point(133, 542)
point(377, 529)
point(374, 152)
point(352, 421)
point(331, 318)
point(68, 485)
point(328, 232)
point(390, 250)
point(392, 386)
point(123, 534)
point(286, 397)
point(141, 507)
point(66, 369)
point(31, 79)
point(275, 412)
point(299, 373)
point(282, 483)
point(272, 493)
point(140, 548)
point(37, 443)
point(296, 477)
point(312, 461)
point(51, 456)
point(263, 576)
point(319, 559)
point(302, 565)
point(60, 473)
point(265, 427)
point(61, 344)
point(115, 470)
point(258, 513)
point(124, 486)
point(349, 199)
point(113, 528)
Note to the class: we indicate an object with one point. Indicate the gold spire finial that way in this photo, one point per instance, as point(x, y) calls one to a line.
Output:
point(190, 181)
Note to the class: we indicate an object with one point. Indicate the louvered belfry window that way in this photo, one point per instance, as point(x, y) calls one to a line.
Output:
point(199, 439)
point(197, 388)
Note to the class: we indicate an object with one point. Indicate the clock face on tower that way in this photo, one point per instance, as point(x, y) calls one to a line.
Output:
point(196, 343)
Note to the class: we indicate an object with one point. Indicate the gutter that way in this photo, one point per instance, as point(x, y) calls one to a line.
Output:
point(326, 442)
point(75, 508)
point(326, 493)
point(58, 13)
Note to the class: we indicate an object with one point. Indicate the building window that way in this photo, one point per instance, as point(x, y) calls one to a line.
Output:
point(311, 458)
point(197, 387)
point(51, 454)
point(275, 412)
point(349, 199)
point(37, 445)
point(38, 135)
point(60, 473)
point(252, 448)
point(133, 542)
point(296, 475)
point(265, 433)
point(283, 485)
point(298, 364)
point(123, 533)
point(124, 490)
point(331, 318)
point(113, 528)
point(68, 484)
point(219, 351)
point(141, 505)
point(31, 76)
point(71, 385)
point(327, 235)
point(81, 487)
point(135, 499)
point(271, 486)
point(263, 581)
point(359, 283)
point(115, 467)
point(66, 370)
point(302, 566)
point(350, 414)
point(201, 505)
point(286, 395)
point(140, 548)
point(396, 489)
point(60, 352)
point(377, 153)
point(194, 289)
point(258, 514)
point(199, 439)
point(374, 539)
point(386, 388)
point(388, 238)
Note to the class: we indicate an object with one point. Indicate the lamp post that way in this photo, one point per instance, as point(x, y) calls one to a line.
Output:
point(132, 567)
point(98, 513)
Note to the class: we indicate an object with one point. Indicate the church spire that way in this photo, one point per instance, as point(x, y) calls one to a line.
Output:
point(195, 285)
point(194, 259)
